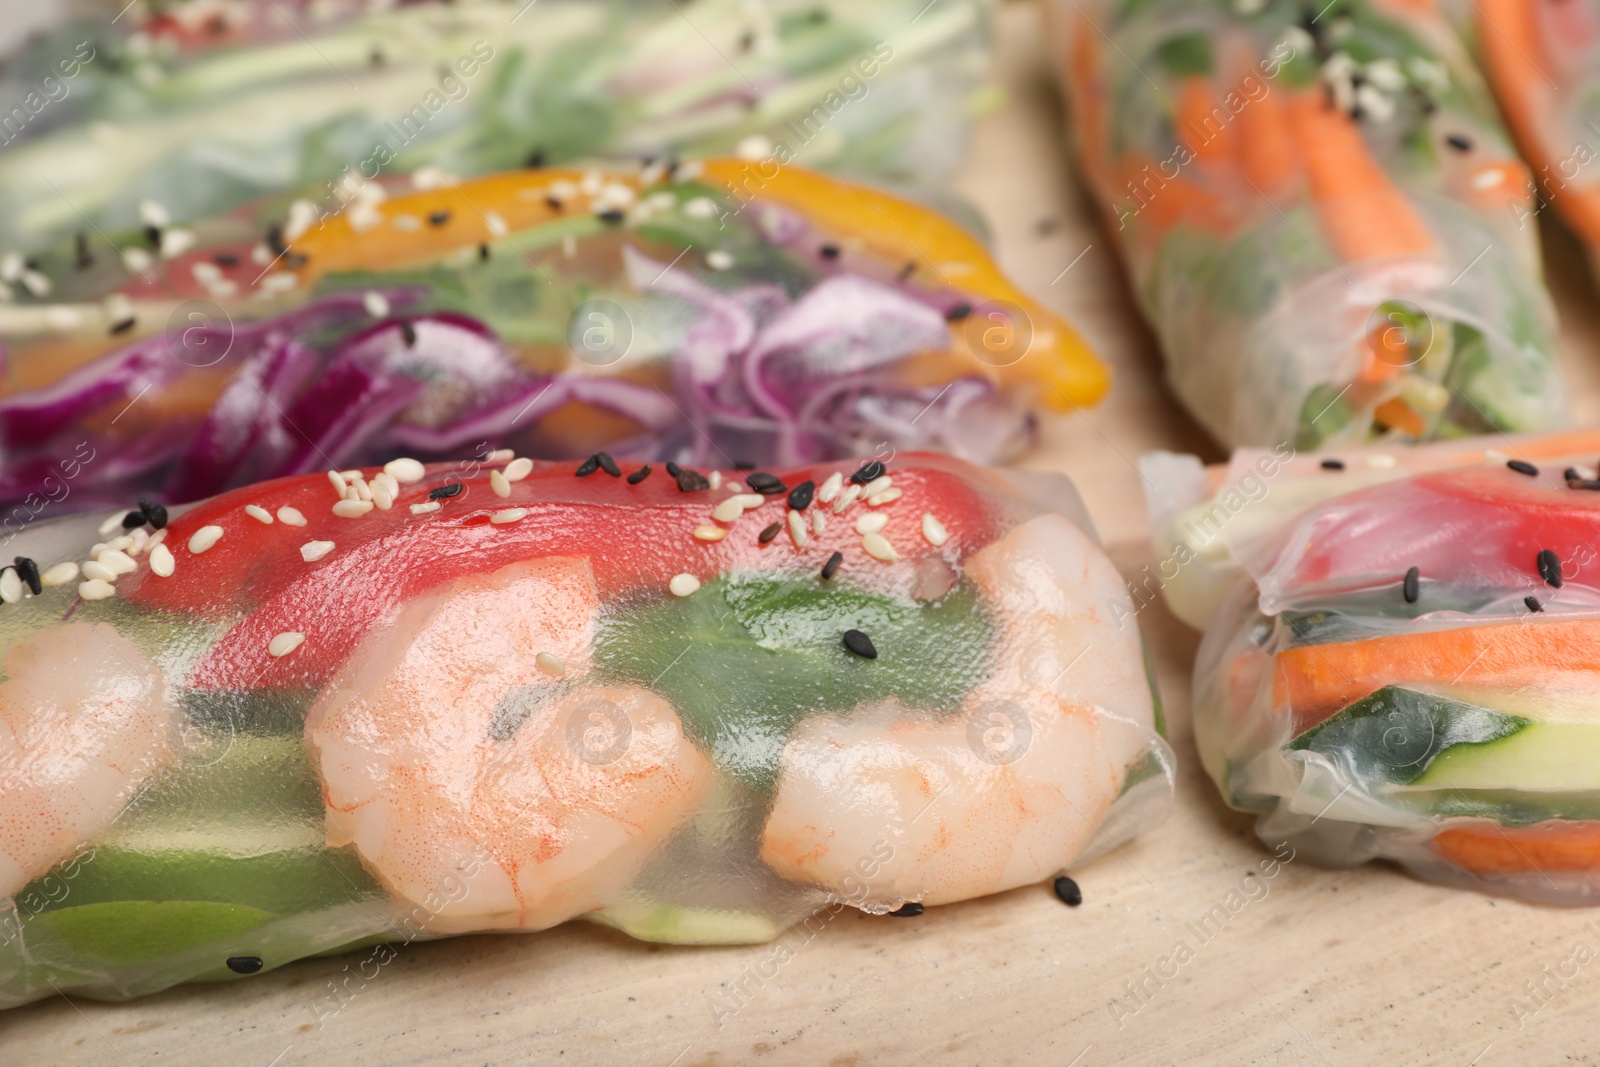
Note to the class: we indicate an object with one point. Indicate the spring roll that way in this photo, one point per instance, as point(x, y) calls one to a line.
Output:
point(1318, 211)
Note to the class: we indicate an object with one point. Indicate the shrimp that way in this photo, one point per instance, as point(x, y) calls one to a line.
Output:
point(477, 771)
point(84, 719)
point(884, 806)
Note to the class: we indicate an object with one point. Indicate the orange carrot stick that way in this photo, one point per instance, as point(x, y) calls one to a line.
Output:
point(1267, 150)
point(1555, 845)
point(1358, 207)
point(1203, 124)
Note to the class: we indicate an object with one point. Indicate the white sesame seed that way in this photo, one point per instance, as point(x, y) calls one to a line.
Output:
point(312, 551)
point(933, 530)
point(500, 455)
point(285, 643)
point(1382, 460)
point(258, 513)
point(112, 524)
point(877, 485)
point(118, 561)
point(291, 516)
point(381, 496)
point(830, 487)
point(550, 663)
point(116, 544)
point(518, 469)
point(138, 541)
point(10, 585)
point(871, 522)
point(715, 478)
point(96, 589)
point(509, 515)
point(161, 561)
point(819, 522)
point(424, 507)
point(62, 573)
point(797, 528)
point(719, 259)
point(728, 510)
point(336, 480)
point(360, 490)
point(352, 509)
point(749, 500)
point(405, 470)
point(1493, 455)
point(389, 482)
point(375, 304)
point(569, 245)
point(683, 584)
point(1488, 179)
point(701, 207)
point(204, 538)
point(497, 225)
point(36, 284)
point(352, 475)
point(497, 482)
point(878, 547)
point(156, 538)
point(888, 496)
point(406, 223)
point(709, 533)
point(846, 498)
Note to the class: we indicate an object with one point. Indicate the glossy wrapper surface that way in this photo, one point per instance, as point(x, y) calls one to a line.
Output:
point(498, 696)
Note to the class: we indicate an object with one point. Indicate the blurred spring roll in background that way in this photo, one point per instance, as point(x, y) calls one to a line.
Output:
point(1314, 205)
point(497, 695)
point(1408, 672)
point(1542, 58)
point(477, 86)
point(718, 312)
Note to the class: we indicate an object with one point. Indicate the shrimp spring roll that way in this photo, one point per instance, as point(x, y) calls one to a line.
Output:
point(702, 312)
point(1405, 673)
point(871, 87)
point(1319, 214)
point(1542, 58)
point(362, 707)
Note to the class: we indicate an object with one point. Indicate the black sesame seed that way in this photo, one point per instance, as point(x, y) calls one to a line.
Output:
point(800, 496)
point(691, 481)
point(28, 571)
point(275, 240)
point(610, 216)
point(438, 218)
point(1533, 603)
point(673, 469)
point(225, 259)
point(83, 260)
point(445, 492)
point(860, 644)
point(152, 236)
point(639, 475)
point(870, 471)
point(907, 271)
point(132, 519)
point(762, 482)
point(408, 334)
point(375, 57)
point(1571, 475)
point(608, 464)
point(765, 536)
point(483, 253)
point(588, 467)
point(1068, 891)
point(957, 313)
point(909, 910)
point(535, 159)
point(1411, 588)
point(829, 251)
point(553, 204)
point(830, 568)
point(1550, 567)
point(1583, 483)
point(1522, 466)
point(156, 516)
point(743, 465)
point(122, 325)
point(244, 964)
point(1333, 464)
point(1460, 142)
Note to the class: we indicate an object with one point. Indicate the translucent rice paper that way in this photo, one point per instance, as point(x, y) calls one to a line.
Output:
point(1407, 672)
point(1542, 60)
point(1325, 232)
point(537, 697)
point(711, 311)
point(879, 88)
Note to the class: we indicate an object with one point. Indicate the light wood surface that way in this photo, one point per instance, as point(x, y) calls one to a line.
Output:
point(1355, 967)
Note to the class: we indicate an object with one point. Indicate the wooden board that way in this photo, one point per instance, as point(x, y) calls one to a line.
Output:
point(1312, 966)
